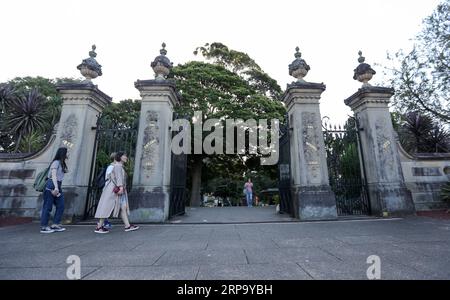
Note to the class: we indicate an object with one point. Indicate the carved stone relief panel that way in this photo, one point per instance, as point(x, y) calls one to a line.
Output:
point(386, 159)
point(310, 145)
point(150, 146)
point(69, 132)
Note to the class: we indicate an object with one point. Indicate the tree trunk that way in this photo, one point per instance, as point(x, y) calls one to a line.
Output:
point(196, 182)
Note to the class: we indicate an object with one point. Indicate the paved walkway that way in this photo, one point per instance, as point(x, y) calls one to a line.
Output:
point(231, 214)
point(412, 248)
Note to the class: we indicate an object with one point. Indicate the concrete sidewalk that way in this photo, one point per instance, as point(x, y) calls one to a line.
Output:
point(231, 214)
point(411, 248)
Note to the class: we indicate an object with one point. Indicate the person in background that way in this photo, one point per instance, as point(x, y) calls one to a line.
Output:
point(53, 193)
point(248, 187)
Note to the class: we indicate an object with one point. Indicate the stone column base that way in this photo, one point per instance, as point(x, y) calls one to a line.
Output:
point(148, 206)
point(315, 203)
point(393, 198)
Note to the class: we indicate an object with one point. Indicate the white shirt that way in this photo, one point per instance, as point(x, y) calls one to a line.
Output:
point(109, 171)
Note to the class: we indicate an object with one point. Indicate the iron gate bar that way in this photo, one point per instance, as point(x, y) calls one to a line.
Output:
point(108, 140)
point(284, 171)
point(177, 180)
point(351, 192)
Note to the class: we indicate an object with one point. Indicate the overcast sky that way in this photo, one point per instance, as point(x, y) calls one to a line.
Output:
point(50, 38)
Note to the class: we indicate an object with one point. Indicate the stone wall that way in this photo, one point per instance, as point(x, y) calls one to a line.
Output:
point(424, 176)
point(17, 175)
point(82, 103)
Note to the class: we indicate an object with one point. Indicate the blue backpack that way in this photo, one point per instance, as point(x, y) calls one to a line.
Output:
point(100, 180)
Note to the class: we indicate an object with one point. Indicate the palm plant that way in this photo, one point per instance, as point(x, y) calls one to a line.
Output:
point(7, 92)
point(415, 127)
point(25, 114)
point(418, 133)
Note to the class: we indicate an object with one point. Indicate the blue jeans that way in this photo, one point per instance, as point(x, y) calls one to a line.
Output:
point(49, 200)
point(248, 196)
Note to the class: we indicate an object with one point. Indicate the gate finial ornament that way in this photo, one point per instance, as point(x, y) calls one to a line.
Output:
point(89, 67)
point(298, 68)
point(162, 65)
point(363, 72)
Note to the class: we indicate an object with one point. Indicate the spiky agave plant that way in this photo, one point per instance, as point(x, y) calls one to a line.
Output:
point(27, 113)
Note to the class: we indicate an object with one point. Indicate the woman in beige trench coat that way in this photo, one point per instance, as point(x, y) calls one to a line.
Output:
point(113, 203)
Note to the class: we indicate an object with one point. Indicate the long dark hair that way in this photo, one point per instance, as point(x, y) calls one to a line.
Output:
point(61, 155)
point(119, 155)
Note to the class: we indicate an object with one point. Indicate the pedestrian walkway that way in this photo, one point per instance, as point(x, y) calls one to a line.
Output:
point(411, 248)
point(230, 215)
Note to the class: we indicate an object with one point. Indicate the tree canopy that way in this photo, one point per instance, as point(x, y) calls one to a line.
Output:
point(228, 85)
point(422, 78)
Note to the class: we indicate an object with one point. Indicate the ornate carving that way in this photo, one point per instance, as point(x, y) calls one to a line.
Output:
point(363, 72)
point(69, 132)
point(162, 65)
point(89, 67)
point(298, 68)
point(384, 146)
point(150, 146)
point(311, 143)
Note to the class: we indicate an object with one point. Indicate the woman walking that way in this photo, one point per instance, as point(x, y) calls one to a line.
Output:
point(114, 198)
point(248, 187)
point(53, 193)
point(109, 169)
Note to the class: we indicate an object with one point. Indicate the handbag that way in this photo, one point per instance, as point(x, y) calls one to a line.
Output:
point(116, 189)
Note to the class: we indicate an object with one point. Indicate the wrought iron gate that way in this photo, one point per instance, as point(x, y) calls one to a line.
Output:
point(177, 181)
point(108, 139)
point(284, 170)
point(345, 168)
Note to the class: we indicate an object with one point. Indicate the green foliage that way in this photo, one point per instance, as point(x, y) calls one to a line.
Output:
point(229, 86)
point(445, 192)
point(422, 78)
point(24, 115)
point(342, 155)
point(32, 142)
point(122, 115)
point(240, 63)
point(418, 133)
point(29, 106)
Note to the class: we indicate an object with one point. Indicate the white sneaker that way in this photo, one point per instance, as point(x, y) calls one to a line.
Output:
point(57, 228)
point(46, 230)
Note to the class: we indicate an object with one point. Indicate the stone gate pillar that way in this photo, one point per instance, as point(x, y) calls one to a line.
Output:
point(149, 198)
point(311, 192)
point(82, 102)
point(384, 175)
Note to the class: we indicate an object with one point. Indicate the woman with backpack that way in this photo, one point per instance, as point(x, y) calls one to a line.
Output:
point(114, 198)
point(53, 193)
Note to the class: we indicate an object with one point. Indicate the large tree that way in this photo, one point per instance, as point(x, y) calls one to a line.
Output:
point(230, 85)
point(422, 77)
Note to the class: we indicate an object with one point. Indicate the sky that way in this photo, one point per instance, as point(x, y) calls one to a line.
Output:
point(50, 38)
